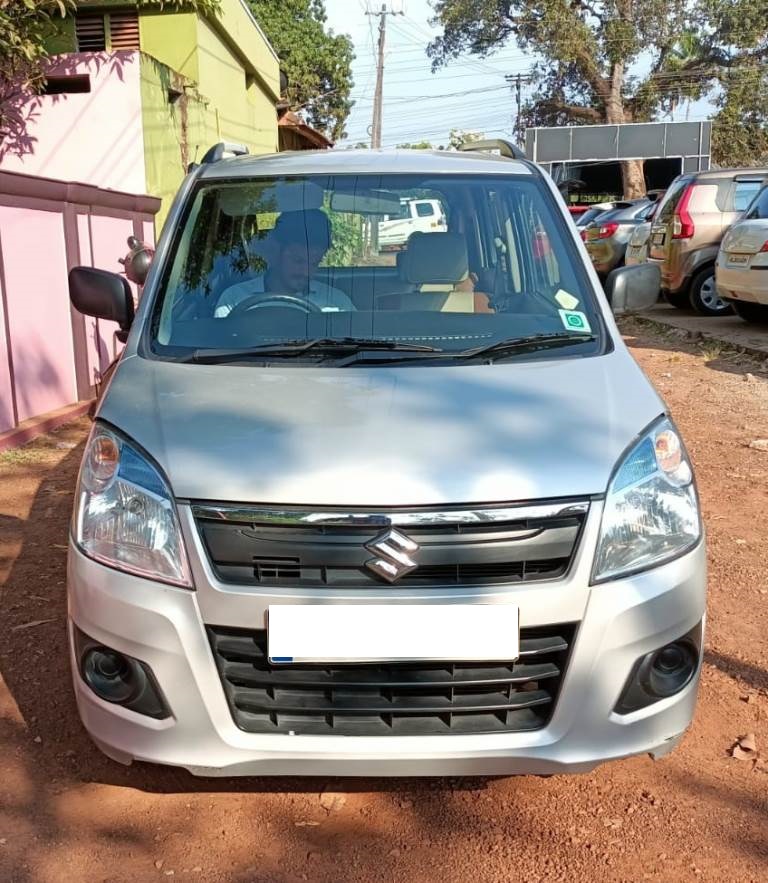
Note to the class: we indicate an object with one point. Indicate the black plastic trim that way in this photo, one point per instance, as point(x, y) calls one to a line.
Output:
point(150, 702)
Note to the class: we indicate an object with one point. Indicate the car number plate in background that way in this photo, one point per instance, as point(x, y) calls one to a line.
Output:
point(658, 239)
point(739, 259)
point(392, 632)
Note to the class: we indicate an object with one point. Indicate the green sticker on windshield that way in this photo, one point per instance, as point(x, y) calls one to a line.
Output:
point(574, 320)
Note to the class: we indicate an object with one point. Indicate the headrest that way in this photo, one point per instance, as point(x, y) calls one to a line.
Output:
point(437, 258)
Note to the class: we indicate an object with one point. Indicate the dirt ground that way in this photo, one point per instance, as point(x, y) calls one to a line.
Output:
point(67, 813)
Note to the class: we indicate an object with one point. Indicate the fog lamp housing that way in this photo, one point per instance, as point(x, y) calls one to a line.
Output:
point(662, 672)
point(118, 678)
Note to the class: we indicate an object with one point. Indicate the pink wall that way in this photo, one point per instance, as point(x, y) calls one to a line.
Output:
point(6, 387)
point(94, 137)
point(56, 356)
point(35, 273)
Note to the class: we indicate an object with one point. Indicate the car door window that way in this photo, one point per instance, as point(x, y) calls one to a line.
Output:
point(758, 210)
point(743, 194)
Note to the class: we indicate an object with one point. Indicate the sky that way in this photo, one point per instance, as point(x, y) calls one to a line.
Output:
point(469, 93)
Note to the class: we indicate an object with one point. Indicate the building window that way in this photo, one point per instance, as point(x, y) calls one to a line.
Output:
point(91, 33)
point(124, 30)
point(114, 31)
point(67, 85)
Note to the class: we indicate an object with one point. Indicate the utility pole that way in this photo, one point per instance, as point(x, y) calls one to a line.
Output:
point(377, 96)
point(518, 80)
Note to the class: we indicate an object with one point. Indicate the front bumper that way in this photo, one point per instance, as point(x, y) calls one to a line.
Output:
point(164, 627)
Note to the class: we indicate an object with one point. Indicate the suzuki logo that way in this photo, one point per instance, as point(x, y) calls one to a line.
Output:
point(393, 551)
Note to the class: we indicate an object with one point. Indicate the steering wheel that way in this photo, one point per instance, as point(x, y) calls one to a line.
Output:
point(290, 301)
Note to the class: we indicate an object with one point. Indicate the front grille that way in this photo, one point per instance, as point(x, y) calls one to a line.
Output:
point(501, 545)
point(392, 699)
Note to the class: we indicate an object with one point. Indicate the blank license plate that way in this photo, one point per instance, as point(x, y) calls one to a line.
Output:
point(738, 259)
point(391, 632)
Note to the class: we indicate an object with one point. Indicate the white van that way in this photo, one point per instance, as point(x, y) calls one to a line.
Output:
point(415, 215)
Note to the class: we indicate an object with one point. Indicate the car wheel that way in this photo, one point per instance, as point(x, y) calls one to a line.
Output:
point(704, 297)
point(751, 312)
point(678, 299)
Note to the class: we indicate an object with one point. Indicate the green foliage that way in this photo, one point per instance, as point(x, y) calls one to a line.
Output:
point(584, 49)
point(318, 62)
point(457, 137)
point(416, 145)
point(740, 130)
point(587, 53)
point(346, 238)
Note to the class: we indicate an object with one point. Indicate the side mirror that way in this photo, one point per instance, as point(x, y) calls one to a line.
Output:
point(103, 295)
point(633, 289)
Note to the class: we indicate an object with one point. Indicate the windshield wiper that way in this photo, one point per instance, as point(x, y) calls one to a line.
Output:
point(299, 347)
point(530, 342)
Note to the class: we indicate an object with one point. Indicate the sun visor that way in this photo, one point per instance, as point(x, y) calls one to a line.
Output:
point(284, 196)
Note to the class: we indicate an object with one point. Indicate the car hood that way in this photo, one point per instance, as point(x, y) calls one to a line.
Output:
point(384, 436)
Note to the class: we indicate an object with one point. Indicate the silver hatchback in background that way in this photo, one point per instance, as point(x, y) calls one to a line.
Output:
point(607, 236)
point(742, 263)
point(344, 512)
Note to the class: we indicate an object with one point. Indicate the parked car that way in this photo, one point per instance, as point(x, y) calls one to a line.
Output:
point(413, 215)
point(606, 237)
point(686, 232)
point(594, 211)
point(637, 247)
point(372, 519)
point(741, 272)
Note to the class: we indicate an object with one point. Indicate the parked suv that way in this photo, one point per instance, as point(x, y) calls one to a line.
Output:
point(687, 228)
point(742, 264)
point(341, 514)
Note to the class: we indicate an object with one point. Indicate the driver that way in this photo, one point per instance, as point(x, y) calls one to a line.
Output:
point(300, 240)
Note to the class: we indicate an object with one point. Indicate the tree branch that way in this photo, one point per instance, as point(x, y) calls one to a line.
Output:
point(574, 111)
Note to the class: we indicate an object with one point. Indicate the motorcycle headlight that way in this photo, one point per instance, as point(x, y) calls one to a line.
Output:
point(125, 516)
point(651, 511)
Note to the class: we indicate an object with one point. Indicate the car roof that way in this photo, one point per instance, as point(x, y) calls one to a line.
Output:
point(730, 173)
point(365, 162)
point(626, 210)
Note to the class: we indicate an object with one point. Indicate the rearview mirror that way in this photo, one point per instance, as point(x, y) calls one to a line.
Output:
point(633, 289)
point(366, 202)
point(103, 295)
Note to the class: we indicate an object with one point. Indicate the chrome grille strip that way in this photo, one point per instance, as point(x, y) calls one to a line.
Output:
point(380, 518)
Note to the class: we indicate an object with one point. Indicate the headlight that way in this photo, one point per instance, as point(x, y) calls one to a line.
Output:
point(651, 510)
point(124, 513)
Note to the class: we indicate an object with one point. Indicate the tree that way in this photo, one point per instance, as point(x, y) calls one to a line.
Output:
point(740, 129)
point(416, 145)
point(457, 137)
point(587, 52)
point(318, 63)
point(25, 25)
point(738, 48)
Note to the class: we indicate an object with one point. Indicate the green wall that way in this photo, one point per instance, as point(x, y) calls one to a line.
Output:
point(203, 80)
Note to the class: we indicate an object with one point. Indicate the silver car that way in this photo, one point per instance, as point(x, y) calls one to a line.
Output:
point(608, 234)
point(741, 271)
point(346, 514)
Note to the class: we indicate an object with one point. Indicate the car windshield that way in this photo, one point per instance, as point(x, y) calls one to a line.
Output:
point(304, 263)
